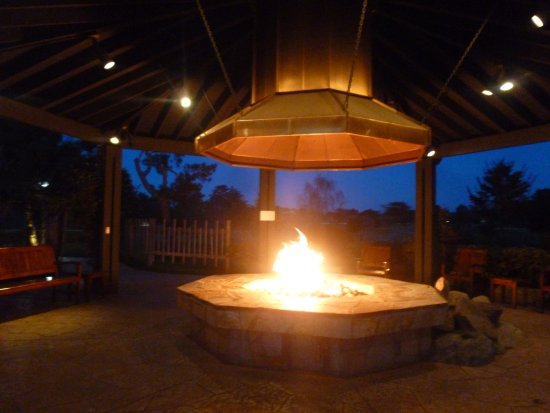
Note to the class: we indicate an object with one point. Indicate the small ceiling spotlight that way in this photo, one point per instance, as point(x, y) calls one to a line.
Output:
point(503, 80)
point(506, 86)
point(185, 102)
point(430, 152)
point(108, 64)
point(121, 136)
point(44, 184)
point(106, 60)
point(537, 20)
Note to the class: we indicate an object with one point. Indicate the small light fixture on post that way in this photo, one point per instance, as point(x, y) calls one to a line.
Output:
point(121, 136)
point(430, 152)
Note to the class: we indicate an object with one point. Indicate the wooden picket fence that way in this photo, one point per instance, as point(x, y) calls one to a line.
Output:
point(178, 241)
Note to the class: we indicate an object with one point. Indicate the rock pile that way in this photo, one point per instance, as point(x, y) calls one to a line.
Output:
point(473, 332)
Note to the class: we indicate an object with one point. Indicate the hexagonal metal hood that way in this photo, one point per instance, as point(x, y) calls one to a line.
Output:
point(299, 118)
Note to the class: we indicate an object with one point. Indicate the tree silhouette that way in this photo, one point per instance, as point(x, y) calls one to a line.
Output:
point(398, 212)
point(500, 194)
point(226, 202)
point(539, 218)
point(186, 191)
point(44, 176)
point(321, 196)
point(163, 164)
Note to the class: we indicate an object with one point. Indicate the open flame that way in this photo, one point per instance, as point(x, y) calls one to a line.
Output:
point(299, 267)
point(300, 273)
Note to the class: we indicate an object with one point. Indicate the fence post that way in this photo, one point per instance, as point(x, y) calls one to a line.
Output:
point(173, 241)
point(185, 241)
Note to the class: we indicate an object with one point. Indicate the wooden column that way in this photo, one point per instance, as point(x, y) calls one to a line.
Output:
point(424, 221)
point(110, 246)
point(267, 220)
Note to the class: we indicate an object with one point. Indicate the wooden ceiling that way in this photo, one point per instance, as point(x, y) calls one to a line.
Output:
point(425, 64)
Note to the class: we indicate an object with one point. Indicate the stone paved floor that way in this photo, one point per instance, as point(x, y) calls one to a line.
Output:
point(129, 353)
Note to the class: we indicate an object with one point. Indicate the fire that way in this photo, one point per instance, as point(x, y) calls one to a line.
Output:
point(299, 267)
point(300, 273)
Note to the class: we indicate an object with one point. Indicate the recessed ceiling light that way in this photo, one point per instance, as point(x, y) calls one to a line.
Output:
point(487, 92)
point(537, 21)
point(506, 86)
point(114, 140)
point(185, 102)
point(109, 64)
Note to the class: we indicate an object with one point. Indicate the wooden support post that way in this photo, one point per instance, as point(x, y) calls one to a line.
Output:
point(111, 216)
point(226, 246)
point(424, 221)
point(267, 220)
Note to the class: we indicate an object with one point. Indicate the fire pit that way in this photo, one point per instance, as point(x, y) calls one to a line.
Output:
point(371, 324)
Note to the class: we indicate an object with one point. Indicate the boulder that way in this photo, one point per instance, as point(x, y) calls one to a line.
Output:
point(467, 349)
point(472, 333)
point(490, 310)
point(476, 316)
point(508, 336)
point(457, 297)
point(481, 299)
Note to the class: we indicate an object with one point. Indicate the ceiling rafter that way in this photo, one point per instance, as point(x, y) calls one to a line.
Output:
point(415, 47)
point(118, 74)
point(114, 53)
point(421, 99)
point(450, 96)
point(127, 99)
point(111, 91)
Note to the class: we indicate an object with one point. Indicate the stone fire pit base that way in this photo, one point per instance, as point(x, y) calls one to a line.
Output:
point(339, 357)
point(340, 336)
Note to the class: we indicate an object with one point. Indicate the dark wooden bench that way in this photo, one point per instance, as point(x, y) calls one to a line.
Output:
point(30, 268)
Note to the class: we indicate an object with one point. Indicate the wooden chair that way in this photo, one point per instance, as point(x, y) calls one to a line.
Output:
point(505, 283)
point(468, 262)
point(374, 260)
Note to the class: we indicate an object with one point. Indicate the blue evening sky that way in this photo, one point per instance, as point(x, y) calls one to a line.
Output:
point(373, 188)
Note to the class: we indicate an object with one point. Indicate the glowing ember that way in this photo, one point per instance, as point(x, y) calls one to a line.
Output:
point(300, 273)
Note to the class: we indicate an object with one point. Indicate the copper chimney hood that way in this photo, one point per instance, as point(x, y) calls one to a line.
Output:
point(298, 118)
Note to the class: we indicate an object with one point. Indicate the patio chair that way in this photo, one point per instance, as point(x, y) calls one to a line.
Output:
point(374, 260)
point(468, 262)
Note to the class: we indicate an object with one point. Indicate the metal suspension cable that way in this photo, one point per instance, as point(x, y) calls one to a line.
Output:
point(443, 89)
point(215, 47)
point(356, 50)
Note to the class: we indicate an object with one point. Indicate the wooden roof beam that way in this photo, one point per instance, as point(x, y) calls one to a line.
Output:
point(518, 137)
point(37, 117)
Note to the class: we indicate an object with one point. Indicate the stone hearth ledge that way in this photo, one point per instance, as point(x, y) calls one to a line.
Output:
point(222, 302)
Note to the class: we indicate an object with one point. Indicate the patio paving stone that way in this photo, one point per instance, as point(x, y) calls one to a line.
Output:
point(129, 352)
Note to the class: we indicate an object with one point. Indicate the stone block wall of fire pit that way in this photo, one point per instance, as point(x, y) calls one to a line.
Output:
point(335, 335)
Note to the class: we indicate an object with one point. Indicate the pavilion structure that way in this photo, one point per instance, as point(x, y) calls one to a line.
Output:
point(442, 64)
